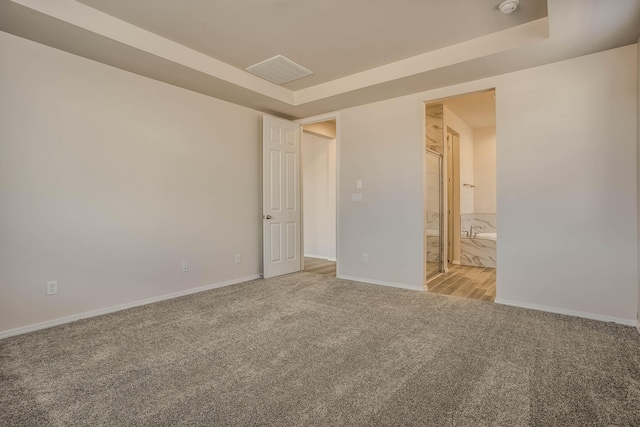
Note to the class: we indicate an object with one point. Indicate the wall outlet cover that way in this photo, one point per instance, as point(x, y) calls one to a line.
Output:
point(52, 287)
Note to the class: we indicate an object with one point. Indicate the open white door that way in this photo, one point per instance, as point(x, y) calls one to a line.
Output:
point(281, 196)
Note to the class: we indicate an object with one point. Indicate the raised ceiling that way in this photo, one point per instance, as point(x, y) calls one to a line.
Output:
point(332, 38)
point(361, 51)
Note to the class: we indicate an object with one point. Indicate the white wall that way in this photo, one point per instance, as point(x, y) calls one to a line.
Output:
point(484, 170)
point(109, 180)
point(466, 159)
point(566, 186)
point(638, 174)
point(382, 144)
point(319, 196)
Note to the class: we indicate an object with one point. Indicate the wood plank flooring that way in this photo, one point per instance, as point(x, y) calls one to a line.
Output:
point(320, 266)
point(465, 281)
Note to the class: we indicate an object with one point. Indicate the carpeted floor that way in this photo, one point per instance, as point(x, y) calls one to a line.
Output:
point(306, 349)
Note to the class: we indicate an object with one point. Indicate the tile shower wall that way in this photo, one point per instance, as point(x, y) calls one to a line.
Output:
point(435, 128)
point(481, 223)
point(435, 142)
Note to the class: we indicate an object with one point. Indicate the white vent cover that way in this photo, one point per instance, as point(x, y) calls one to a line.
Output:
point(279, 70)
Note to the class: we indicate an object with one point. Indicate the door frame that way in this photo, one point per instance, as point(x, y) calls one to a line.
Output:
point(308, 121)
point(441, 193)
point(454, 197)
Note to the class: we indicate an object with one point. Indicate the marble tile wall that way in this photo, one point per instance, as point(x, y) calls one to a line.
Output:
point(481, 223)
point(433, 221)
point(484, 222)
point(474, 251)
point(433, 249)
point(435, 128)
point(478, 252)
point(466, 222)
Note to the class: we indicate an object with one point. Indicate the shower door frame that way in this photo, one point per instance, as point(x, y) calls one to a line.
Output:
point(439, 156)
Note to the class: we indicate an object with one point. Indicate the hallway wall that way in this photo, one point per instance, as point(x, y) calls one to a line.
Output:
point(319, 196)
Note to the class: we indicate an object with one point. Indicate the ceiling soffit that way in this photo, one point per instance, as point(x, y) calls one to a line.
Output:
point(74, 27)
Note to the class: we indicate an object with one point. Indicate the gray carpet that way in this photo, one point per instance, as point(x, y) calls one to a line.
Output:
point(306, 349)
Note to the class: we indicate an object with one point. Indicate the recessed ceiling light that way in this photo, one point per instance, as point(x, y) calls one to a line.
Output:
point(278, 70)
point(508, 6)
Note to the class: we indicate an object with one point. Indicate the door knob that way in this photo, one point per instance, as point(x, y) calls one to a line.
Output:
point(267, 216)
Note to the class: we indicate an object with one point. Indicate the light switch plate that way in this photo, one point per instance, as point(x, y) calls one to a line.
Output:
point(359, 184)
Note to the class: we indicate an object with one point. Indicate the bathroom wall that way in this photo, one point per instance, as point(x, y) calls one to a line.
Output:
point(452, 121)
point(484, 170)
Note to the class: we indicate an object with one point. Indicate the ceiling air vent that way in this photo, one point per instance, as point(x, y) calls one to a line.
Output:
point(278, 70)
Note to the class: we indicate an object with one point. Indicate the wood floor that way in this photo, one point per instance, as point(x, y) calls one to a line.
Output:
point(460, 280)
point(320, 266)
point(465, 281)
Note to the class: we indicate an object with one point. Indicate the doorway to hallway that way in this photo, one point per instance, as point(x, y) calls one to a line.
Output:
point(319, 197)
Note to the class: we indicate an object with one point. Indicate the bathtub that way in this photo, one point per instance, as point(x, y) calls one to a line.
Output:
point(479, 251)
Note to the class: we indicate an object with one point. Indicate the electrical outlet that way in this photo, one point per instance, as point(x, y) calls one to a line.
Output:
point(185, 265)
point(365, 257)
point(237, 258)
point(52, 287)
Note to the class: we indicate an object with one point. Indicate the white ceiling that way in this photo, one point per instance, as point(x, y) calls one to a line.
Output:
point(361, 51)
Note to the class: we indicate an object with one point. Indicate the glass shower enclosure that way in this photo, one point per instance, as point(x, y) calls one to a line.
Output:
point(433, 213)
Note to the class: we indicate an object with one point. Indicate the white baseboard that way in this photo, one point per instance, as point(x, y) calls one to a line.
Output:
point(377, 282)
point(628, 322)
point(107, 310)
point(319, 257)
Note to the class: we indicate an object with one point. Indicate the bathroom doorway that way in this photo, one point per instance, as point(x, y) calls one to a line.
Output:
point(463, 130)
